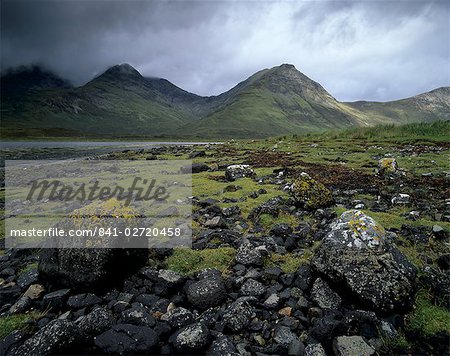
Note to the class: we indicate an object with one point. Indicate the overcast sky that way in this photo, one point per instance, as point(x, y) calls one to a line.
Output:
point(371, 50)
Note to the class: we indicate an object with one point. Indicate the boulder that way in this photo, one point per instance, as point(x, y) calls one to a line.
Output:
point(352, 345)
point(207, 292)
point(96, 322)
point(237, 171)
point(83, 300)
point(125, 338)
point(309, 193)
point(178, 317)
point(252, 288)
point(358, 255)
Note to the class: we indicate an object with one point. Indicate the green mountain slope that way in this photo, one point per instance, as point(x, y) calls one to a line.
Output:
point(121, 102)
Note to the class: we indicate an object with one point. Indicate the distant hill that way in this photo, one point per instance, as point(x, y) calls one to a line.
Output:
point(121, 102)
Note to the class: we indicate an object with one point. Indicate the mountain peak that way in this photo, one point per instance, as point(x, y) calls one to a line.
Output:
point(123, 69)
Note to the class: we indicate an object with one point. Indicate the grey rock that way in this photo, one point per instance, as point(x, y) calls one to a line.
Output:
point(137, 316)
point(179, 317)
point(58, 336)
point(272, 301)
point(237, 316)
point(352, 345)
point(283, 336)
point(20, 306)
point(125, 338)
point(28, 278)
point(324, 296)
point(222, 346)
point(56, 299)
point(252, 287)
point(237, 171)
point(193, 337)
point(315, 350)
point(96, 322)
point(296, 348)
point(248, 255)
point(206, 293)
point(357, 255)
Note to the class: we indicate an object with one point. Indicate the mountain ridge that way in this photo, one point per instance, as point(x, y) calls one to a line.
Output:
point(275, 101)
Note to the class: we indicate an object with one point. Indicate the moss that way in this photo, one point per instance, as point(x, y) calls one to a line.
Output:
point(28, 268)
point(428, 319)
point(267, 221)
point(311, 193)
point(15, 322)
point(289, 262)
point(187, 261)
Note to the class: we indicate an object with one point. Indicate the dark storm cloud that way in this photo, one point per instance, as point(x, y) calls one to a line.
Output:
point(373, 50)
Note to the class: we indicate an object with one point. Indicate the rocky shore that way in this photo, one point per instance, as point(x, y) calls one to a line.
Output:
point(289, 257)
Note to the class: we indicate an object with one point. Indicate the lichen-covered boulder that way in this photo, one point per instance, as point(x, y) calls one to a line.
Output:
point(358, 255)
point(310, 193)
point(97, 265)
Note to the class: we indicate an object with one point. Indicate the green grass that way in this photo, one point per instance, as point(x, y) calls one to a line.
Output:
point(187, 261)
point(427, 318)
point(289, 262)
point(15, 322)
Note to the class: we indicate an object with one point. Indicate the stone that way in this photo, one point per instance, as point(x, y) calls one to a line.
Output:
point(127, 339)
point(83, 300)
point(281, 230)
point(296, 348)
point(207, 293)
point(237, 171)
point(193, 337)
point(309, 193)
point(91, 267)
point(96, 322)
point(283, 336)
point(21, 305)
point(28, 278)
point(357, 255)
point(248, 255)
point(35, 291)
point(55, 300)
point(222, 346)
point(272, 301)
point(57, 337)
point(237, 315)
point(216, 222)
point(137, 316)
point(252, 287)
point(324, 296)
point(286, 311)
point(179, 317)
point(352, 345)
point(315, 350)
point(401, 199)
point(195, 154)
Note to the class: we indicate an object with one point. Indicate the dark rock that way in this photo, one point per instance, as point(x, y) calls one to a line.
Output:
point(248, 255)
point(283, 335)
point(179, 317)
point(96, 322)
point(58, 336)
point(89, 268)
point(194, 337)
point(137, 316)
point(207, 293)
point(296, 348)
point(222, 346)
point(83, 300)
point(12, 341)
point(21, 305)
point(28, 278)
point(125, 338)
point(444, 261)
point(324, 296)
point(56, 300)
point(281, 230)
point(195, 154)
point(237, 316)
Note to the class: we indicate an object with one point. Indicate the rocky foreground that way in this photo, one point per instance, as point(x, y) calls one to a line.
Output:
point(315, 281)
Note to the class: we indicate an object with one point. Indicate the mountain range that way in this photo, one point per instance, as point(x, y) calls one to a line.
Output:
point(122, 103)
